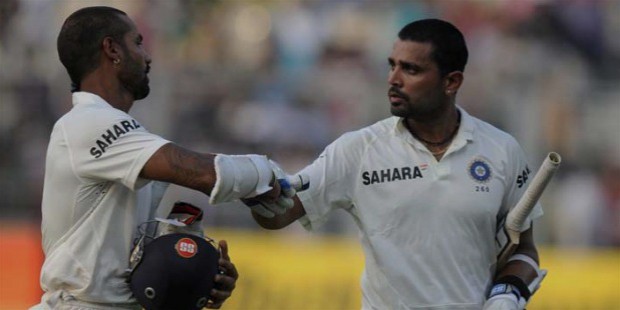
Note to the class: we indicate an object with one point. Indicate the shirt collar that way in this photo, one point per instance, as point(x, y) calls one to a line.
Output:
point(466, 130)
point(86, 97)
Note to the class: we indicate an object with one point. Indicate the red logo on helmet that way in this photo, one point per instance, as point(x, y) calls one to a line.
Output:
point(186, 247)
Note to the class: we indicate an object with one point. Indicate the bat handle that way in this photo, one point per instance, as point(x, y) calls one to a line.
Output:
point(300, 182)
point(517, 216)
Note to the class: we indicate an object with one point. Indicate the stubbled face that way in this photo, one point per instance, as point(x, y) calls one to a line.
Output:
point(135, 65)
point(416, 87)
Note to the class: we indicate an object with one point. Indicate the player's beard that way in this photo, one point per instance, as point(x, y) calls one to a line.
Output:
point(134, 79)
point(425, 109)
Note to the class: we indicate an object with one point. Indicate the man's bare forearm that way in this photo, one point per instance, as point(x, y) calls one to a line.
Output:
point(282, 220)
point(174, 164)
point(520, 268)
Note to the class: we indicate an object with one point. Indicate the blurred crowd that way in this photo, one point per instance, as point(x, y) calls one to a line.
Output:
point(287, 77)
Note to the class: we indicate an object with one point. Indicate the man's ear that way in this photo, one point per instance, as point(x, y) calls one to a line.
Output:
point(112, 50)
point(453, 81)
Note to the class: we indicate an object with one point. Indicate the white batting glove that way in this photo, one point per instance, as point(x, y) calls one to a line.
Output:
point(286, 189)
point(504, 297)
point(240, 176)
point(289, 185)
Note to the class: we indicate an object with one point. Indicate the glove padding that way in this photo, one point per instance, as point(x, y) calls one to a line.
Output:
point(289, 185)
point(505, 301)
point(240, 176)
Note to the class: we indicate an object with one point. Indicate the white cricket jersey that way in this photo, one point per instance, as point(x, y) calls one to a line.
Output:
point(427, 228)
point(93, 200)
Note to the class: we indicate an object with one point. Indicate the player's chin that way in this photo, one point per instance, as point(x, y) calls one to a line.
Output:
point(398, 110)
point(143, 91)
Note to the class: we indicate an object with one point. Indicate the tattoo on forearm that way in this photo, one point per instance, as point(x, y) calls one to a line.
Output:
point(190, 169)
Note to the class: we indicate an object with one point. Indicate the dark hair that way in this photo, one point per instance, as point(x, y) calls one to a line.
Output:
point(79, 40)
point(449, 48)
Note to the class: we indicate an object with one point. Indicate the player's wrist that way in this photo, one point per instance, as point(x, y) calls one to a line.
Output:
point(504, 288)
point(504, 296)
point(514, 284)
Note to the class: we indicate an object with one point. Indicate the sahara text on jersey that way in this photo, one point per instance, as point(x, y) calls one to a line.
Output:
point(391, 174)
point(111, 135)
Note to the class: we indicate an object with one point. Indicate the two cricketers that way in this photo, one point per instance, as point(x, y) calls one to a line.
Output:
point(428, 187)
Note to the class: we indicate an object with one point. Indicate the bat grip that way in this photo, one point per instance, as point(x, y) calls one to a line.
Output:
point(519, 213)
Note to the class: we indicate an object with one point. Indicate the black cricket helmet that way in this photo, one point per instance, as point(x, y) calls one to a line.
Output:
point(175, 272)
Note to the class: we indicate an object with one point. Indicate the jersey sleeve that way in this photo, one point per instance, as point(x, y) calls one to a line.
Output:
point(519, 176)
point(330, 178)
point(110, 145)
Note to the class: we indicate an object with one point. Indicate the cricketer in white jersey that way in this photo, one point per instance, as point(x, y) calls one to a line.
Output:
point(101, 166)
point(427, 228)
point(92, 204)
point(429, 189)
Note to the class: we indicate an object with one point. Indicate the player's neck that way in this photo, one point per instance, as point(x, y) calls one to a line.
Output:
point(436, 132)
point(109, 89)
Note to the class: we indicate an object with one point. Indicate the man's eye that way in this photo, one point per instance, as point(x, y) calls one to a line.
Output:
point(410, 70)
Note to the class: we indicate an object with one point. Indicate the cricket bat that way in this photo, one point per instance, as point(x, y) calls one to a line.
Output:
point(519, 213)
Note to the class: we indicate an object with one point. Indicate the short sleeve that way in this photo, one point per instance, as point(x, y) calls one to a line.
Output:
point(330, 178)
point(108, 144)
point(519, 175)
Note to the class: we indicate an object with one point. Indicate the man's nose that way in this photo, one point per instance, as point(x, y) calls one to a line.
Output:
point(394, 77)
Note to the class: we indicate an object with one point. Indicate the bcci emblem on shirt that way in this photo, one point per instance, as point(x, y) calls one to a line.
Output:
point(480, 170)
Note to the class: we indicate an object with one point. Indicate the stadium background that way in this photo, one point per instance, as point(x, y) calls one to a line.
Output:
point(286, 77)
